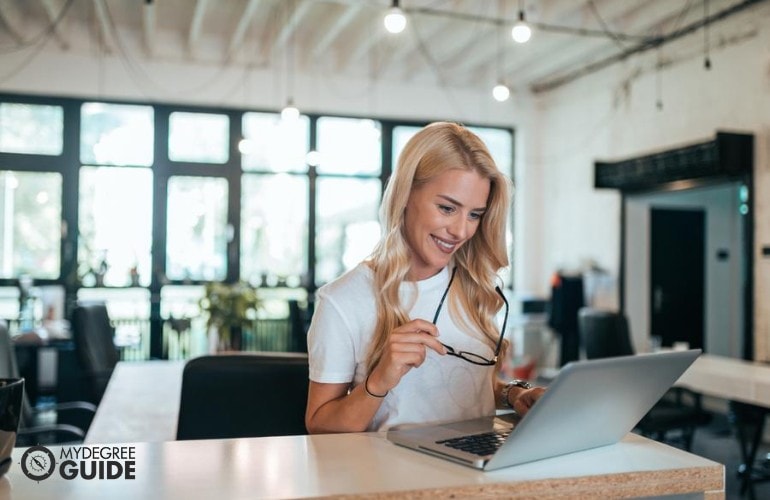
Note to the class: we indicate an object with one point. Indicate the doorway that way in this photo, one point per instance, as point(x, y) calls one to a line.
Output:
point(677, 275)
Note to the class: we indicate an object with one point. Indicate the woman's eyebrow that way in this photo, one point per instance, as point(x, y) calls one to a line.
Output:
point(455, 202)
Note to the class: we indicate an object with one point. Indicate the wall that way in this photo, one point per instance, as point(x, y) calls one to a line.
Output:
point(612, 115)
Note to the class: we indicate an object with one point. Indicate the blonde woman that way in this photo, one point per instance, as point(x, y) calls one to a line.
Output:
point(409, 335)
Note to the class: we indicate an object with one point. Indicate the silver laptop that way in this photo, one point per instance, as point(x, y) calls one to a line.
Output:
point(589, 404)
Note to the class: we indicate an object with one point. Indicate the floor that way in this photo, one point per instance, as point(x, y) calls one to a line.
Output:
point(717, 442)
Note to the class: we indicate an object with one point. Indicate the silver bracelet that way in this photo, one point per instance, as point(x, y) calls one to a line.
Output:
point(507, 389)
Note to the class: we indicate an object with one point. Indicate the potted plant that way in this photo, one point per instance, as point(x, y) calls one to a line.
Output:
point(231, 307)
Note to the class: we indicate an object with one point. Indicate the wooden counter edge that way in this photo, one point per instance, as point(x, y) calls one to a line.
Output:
point(709, 480)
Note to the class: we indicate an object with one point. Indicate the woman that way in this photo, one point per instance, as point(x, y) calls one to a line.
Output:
point(409, 336)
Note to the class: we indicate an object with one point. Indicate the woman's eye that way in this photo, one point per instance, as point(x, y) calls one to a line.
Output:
point(475, 215)
point(446, 209)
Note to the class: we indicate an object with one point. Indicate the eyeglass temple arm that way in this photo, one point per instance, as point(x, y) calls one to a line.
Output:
point(505, 322)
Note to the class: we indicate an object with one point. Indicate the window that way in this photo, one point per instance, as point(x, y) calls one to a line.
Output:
point(197, 231)
point(115, 226)
point(31, 128)
point(274, 228)
point(199, 137)
point(348, 226)
point(116, 134)
point(349, 146)
point(30, 224)
point(272, 144)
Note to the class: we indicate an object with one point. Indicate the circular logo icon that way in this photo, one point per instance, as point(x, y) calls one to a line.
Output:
point(38, 463)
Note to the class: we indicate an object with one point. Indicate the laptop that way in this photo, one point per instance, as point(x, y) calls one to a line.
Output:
point(589, 404)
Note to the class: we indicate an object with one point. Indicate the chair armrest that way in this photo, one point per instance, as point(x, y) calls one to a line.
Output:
point(74, 405)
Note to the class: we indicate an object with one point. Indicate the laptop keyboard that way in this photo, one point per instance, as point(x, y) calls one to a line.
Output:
point(478, 444)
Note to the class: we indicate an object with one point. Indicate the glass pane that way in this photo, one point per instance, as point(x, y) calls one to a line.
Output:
point(196, 234)
point(500, 145)
point(401, 136)
point(185, 326)
point(115, 226)
point(116, 134)
point(274, 229)
point(30, 224)
point(348, 226)
point(199, 137)
point(274, 145)
point(31, 128)
point(349, 146)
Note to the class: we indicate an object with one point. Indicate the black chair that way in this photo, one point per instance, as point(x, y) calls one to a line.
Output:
point(94, 334)
point(51, 424)
point(606, 334)
point(243, 395)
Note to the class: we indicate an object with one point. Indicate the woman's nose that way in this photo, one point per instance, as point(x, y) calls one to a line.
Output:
point(459, 228)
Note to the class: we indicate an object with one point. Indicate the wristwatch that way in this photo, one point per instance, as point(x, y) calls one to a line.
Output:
point(507, 388)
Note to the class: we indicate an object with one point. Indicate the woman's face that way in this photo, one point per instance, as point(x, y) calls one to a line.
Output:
point(441, 215)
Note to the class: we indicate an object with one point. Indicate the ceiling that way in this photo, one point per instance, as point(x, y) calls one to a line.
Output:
point(452, 43)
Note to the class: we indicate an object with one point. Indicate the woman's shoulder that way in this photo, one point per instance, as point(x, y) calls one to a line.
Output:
point(352, 283)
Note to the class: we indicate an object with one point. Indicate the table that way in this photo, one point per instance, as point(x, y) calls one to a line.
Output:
point(140, 404)
point(736, 380)
point(729, 378)
point(368, 465)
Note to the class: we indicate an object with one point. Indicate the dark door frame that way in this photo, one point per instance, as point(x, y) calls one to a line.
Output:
point(729, 157)
point(748, 245)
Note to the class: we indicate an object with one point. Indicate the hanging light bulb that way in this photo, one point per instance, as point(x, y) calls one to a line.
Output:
point(521, 32)
point(395, 20)
point(501, 92)
point(290, 112)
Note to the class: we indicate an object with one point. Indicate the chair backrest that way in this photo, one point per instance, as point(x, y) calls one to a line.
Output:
point(243, 395)
point(604, 333)
point(9, 368)
point(93, 334)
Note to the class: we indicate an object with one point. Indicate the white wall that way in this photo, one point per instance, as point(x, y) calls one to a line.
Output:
point(612, 115)
point(723, 314)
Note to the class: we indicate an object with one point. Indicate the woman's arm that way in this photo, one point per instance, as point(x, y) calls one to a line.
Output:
point(337, 408)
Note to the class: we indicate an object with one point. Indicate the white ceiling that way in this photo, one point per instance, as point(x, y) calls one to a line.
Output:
point(454, 43)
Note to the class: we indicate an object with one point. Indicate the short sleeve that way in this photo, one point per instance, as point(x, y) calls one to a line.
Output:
point(331, 350)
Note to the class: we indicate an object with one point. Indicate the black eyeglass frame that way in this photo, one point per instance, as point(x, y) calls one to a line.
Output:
point(469, 356)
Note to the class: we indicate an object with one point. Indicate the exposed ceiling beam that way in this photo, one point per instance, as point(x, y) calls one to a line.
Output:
point(53, 9)
point(195, 26)
point(333, 31)
point(103, 22)
point(243, 25)
point(11, 19)
point(290, 26)
point(552, 83)
point(148, 26)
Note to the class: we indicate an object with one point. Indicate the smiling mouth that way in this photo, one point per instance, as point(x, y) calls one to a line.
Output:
point(444, 246)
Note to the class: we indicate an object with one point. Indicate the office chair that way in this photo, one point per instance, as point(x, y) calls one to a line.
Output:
point(606, 334)
point(93, 334)
point(44, 426)
point(243, 395)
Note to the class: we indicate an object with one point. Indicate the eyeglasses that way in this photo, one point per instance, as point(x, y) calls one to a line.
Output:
point(470, 357)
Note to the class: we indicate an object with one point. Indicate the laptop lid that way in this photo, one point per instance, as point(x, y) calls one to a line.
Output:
point(589, 404)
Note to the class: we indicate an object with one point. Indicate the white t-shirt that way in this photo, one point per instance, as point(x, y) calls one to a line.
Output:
point(443, 388)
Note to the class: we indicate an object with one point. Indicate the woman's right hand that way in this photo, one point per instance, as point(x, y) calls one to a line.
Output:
point(405, 349)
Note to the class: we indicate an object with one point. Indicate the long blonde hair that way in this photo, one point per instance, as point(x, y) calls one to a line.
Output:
point(432, 151)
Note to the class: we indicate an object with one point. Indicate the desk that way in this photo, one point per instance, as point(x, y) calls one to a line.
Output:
point(742, 381)
point(729, 378)
point(140, 404)
point(368, 465)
